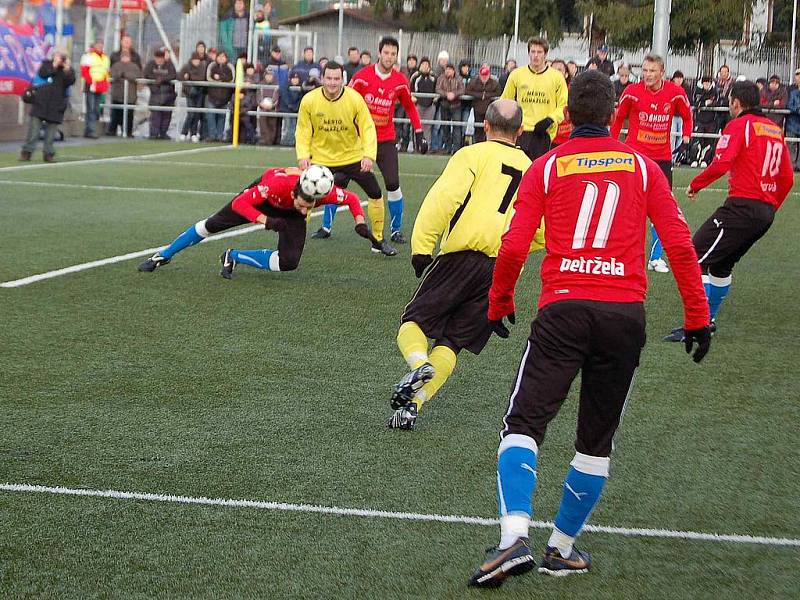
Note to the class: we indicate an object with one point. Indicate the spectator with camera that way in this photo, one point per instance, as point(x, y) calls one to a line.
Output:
point(48, 103)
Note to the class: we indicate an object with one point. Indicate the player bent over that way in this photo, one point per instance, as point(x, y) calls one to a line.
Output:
point(382, 85)
point(595, 194)
point(335, 129)
point(278, 202)
point(752, 149)
point(466, 210)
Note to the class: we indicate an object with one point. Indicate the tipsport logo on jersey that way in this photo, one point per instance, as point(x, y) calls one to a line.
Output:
point(595, 162)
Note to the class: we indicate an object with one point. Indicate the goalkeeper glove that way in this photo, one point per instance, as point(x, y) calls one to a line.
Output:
point(499, 327)
point(542, 126)
point(420, 262)
point(703, 338)
point(420, 143)
point(275, 224)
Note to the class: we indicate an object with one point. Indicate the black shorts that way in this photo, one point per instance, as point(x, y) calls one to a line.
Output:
point(291, 240)
point(666, 168)
point(729, 233)
point(602, 341)
point(389, 165)
point(534, 144)
point(451, 302)
point(342, 175)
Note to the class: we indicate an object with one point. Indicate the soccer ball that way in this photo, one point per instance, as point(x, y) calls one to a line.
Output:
point(316, 181)
point(267, 104)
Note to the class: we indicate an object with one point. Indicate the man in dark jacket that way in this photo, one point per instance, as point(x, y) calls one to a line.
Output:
point(450, 88)
point(194, 70)
point(706, 96)
point(484, 89)
point(162, 93)
point(423, 82)
point(49, 104)
point(601, 60)
point(465, 71)
point(218, 97)
point(304, 66)
point(126, 45)
point(353, 64)
point(777, 97)
point(124, 74)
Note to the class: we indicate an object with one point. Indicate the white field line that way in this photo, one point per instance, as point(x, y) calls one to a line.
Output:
point(383, 514)
point(113, 188)
point(94, 161)
point(131, 255)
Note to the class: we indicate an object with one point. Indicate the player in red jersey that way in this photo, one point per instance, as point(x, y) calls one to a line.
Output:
point(595, 194)
point(275, 200)
point(752, 149)
point(382, 86)
point(650, 106)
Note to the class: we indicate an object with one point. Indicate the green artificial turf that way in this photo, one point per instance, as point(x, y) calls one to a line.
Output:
point(275, 387)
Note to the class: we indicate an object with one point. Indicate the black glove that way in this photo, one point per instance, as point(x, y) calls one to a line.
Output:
point(363, 230)
point(420, 262)
point(275, 224)
point(702, 337)
point(499, 327)
point(542, 126)
point(420, 143)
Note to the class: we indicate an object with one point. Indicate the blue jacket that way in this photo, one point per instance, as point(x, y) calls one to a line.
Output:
point(793, 118)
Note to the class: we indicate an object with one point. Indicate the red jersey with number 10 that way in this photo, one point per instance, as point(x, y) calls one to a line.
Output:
point(752, 149)
point(596, 194)
point(275, 188)
point(381, 91)
point(650, 116)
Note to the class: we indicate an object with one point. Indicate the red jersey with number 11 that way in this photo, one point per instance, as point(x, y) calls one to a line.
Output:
point(596, 194)
point(752, 149)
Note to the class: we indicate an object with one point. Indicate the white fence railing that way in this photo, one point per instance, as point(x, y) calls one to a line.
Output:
point(200, 23)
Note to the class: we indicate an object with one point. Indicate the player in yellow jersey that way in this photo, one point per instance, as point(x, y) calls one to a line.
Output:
point(335, 129)
point(466, 211)
point(541, 91)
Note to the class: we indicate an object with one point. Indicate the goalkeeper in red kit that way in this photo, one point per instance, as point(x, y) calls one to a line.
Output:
point(595, 194)
point(382, 86)
point(277, 201)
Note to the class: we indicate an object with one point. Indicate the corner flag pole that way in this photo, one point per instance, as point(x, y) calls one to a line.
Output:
point(237, 102)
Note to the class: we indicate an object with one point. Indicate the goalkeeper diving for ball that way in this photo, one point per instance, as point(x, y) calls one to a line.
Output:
point(466, 211)
point(279, 201)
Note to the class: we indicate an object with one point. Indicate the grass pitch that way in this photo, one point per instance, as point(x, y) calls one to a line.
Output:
point(275, 387)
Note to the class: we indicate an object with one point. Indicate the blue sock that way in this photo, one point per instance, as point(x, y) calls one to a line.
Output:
point(328, 215)
point(516, 474)
point(395, 201)
point(190, 237)
point(716, 291)
point(582, 488)
point(260, 259)
point(656, 250)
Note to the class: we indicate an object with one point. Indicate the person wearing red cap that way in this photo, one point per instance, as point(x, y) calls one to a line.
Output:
point(484, 89)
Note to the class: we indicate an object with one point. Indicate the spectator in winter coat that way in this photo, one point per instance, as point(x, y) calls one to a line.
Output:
point(511, 64)
point(218, 97)
point(162, 93)
point(403, 130)
point(484, 89)
point(234, 30)
point(49, 104)
point(194, 70)
point(126, 45)
point(793, 127)
point(268, 101)
point(423, 82)
point(303, 68)
point(705, 96)
point(276, 57)
point(677, 121)
point(124, 74)
point(450, 88)
point(623, 80)
point(353, 64)
point(776, 97)
point(601, 60)
point(95, 67)
point(290, 98)
point(465, 72)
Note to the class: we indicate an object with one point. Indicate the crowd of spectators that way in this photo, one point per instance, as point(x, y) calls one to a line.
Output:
point(448, 94)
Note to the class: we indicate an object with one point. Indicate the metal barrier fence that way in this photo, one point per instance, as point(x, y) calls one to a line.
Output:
point(127, 107)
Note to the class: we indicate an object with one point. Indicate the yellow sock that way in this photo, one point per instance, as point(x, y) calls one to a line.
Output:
point(376, 213)
point(443, 360)
point(413, 344)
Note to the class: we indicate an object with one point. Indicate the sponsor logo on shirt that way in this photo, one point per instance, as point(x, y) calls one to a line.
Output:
point(767, 129)
point(652, 137)
point(595, 162)
point(593, 266)
point(376, 101)
point(723, 141)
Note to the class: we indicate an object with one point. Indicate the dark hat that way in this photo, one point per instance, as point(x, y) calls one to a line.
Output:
point(276, 48)
point(425, 59)
point(774, 77)
point(160, 53)
point(706, 78)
